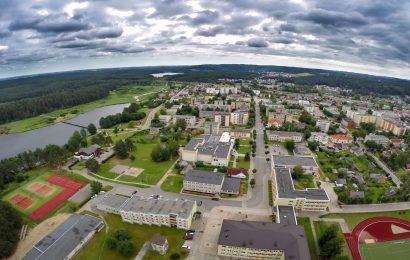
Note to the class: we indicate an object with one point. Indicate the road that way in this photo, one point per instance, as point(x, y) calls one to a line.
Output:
point(382, 165)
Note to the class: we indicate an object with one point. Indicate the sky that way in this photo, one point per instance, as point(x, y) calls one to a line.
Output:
point(365, 36)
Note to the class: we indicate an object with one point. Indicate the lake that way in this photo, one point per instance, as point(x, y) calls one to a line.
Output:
point(13, 144)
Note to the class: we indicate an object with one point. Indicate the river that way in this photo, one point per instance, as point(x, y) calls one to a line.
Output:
point(13, 144)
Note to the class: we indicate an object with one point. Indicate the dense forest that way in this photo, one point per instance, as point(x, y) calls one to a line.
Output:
point(11, 224)
point(31, 96)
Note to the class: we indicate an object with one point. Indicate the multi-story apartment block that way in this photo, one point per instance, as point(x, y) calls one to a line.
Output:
point(203, 181)
point(159, 212)
point(211, 128)
point(150, 211)
point(239, 117)
point(262, 240)
point(190, 121)
point(282, 136)
point(285, 194)
point(211, 149)
point(378, 139)
point(323, 125)
point(223, 118)
point(322, 138)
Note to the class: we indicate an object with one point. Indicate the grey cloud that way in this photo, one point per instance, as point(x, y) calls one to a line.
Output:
point(205, 17)
point(45, 26)
point(210, 32)
point(332, 18)
point(257, 43)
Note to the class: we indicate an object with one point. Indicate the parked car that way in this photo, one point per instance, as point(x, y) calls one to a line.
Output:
point(216, 199)
point(188, 237)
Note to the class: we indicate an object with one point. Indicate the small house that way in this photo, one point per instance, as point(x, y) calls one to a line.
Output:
point(89, 152)
point(357, 194)
point(159, 244)
point(340, 182)
point(241, 173)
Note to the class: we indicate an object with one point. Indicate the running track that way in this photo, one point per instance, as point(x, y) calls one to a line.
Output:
point(379, 228)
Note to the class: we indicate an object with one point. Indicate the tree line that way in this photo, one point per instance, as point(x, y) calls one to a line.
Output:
point(11, 224)
point(128, 114)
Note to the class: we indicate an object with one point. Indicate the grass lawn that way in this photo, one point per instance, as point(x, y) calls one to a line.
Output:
point(321, 226)
point(352, 219)
point(105, 170)
point(122, 95)
point(244, 149)
point(242, 163)
point(173, 184)
point(305, 222)
point(96, 248)
point(79, 166)
point(398, 249)
point(304, 182)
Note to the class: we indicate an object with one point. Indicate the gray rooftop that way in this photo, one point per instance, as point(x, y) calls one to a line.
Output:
point(113, 200)
point(89, 150)
point(286, 215)
point(160, 206)
point(209, 145)
point(231, 185)
point(215, 178)
point(289, 160)
point(286, 188)
point(61, 241)
point(265, 235)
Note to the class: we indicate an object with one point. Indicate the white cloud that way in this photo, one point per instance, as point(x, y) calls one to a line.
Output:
point(119, 13)
point(3, 48)
point(71, 7)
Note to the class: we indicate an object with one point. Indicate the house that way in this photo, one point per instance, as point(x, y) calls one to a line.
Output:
point(262, 240)
point(274, 122)
point(241, 173)
point(379, 178)
point(378, 139)
point(159, 244)
point(357, 194)
point(397, 142)
point(282, 136)
point(210, 149)
point(390, 191)
point(190, 121)
point(340, 182)
point(223, 118)
point(357, 150)
point(341, 139)
point(89, 152)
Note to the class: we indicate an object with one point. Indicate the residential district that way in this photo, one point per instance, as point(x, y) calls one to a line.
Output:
point(239, 169)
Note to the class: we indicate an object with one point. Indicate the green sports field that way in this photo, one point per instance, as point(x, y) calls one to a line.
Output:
point(37, 198)
point(394, 250)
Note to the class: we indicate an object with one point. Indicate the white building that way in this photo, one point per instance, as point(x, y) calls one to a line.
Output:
point(282, 136)
point(223, 118)
point(190, 121)
point(323, 125)
point(239, 117)
point(378, 139)
point(322, 138)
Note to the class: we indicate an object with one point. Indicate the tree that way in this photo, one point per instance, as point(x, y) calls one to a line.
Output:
point(180, 124)
point(368, 127)
point(313, 145)
point(92, 165)
point(130, 145)
point(252, 182)
point(11, 223)
point(96, 187)
point(120, 149)
point(126, 248)
point(236, 145)
point(290, 144)
point(160, 153)
point(83, 132)
point(173, 148)
point(330, 243)
point(298, 172)
point(92, 130)
point(247, 157)
point(54, 155)
point(111, 242)
point(121, 234)
point(175, 256)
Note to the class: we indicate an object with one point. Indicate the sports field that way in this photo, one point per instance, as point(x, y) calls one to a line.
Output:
point(43, 194)
point(32, 195)
point(397, 250)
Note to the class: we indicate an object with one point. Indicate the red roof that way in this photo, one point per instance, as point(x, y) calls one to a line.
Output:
point(408, 166)
point(342, 137)
point(274, 120)
point(395, 140)
point(235, 171)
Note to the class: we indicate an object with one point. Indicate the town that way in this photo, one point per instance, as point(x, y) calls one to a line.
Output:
point(241, 168)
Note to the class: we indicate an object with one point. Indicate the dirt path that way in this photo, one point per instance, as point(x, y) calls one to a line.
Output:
point(37, 233)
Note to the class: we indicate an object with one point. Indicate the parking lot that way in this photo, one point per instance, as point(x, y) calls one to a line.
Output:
point(277, 149)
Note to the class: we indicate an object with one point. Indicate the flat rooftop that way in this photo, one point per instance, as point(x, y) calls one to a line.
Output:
point(208, 177)
point(289, 160)
point(113, 200)
point(64, 239)
point(160, 206)
point(286, 215)
point(286, 189)
point(266, 235)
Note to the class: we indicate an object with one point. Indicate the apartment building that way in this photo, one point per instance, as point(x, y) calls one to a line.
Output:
point(211, 128)
point(378, 139)
point(210, 149)
point(282, 136)
point(277, 115)
point(223, 118)
point(341, 139)
point(203, 181)
point(262, 240)
point(285, 194)
point(190, 121)
point(239, 117)
point(176, 213)
point(323, 125)
point(322, 138)
point(308, 163)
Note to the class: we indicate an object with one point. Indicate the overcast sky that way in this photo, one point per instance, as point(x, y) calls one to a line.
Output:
point(369, 36)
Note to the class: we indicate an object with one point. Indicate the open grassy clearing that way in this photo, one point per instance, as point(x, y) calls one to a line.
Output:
point(352, 219)
point(119, 96)
point(173, 184)
point(97, 249)
point(321, 226)
point(305, 222)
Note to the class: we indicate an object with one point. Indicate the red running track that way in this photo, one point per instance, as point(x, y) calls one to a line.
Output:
point(70, 188)
point(379, 229)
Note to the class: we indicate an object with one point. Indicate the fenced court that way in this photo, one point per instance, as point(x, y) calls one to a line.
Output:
point(21, 201)
point(41, 188)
